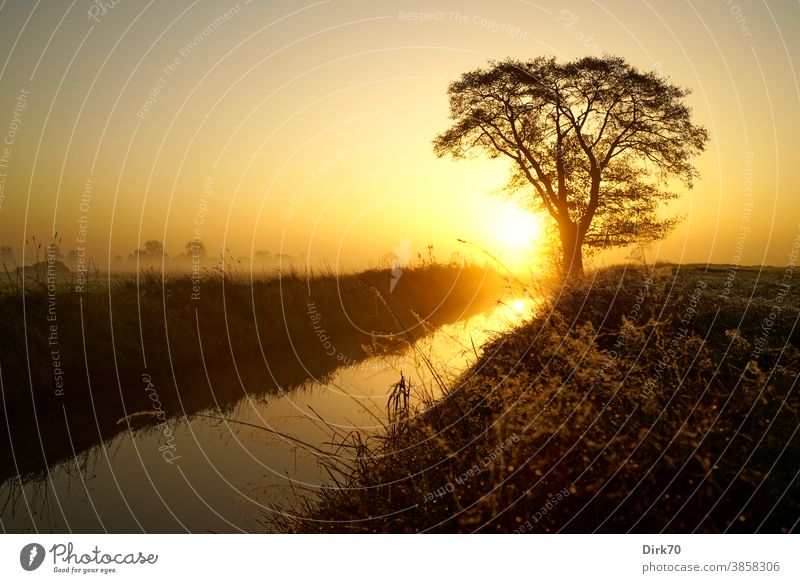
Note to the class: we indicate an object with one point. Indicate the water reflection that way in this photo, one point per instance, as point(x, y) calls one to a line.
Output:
point(233, 464)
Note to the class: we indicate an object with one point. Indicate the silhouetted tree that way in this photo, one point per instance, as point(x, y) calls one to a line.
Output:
point(154, 248)
point(150, 254)
point(595, 138)
point(195, 248)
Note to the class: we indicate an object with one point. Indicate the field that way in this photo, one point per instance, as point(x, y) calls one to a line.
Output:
point(646, 400)
point(76, 369)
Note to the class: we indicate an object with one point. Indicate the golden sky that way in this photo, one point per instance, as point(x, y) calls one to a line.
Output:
point(305, 128)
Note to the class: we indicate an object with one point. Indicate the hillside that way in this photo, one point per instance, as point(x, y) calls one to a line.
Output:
point(640, 401)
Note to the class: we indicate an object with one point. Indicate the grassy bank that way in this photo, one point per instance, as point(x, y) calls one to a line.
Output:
point(642, 400)
point(78, 368)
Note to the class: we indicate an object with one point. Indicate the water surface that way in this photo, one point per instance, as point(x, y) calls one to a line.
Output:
point(227, 471)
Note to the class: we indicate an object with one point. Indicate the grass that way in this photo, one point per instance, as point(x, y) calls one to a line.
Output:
point(641, 400)
point(129, 341)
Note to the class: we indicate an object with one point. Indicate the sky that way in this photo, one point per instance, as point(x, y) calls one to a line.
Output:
point(305, 128)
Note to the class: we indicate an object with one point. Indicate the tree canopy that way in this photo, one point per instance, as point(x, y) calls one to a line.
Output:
point(598, 142)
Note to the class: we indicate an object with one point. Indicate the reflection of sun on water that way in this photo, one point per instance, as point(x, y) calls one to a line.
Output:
point(522, 308)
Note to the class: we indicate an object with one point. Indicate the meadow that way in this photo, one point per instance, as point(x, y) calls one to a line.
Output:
point(133, 351)
point(647, 399)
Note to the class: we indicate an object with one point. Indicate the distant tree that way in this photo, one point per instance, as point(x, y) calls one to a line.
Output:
point(154, 248)
point(151, 253)
point(596, 140)
point(195, 248)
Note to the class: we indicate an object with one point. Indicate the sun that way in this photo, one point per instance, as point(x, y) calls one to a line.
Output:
point(514, 235)
point(517, 230)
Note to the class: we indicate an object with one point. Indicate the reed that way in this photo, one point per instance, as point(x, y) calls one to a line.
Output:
point(202, 350)
point(641, 400)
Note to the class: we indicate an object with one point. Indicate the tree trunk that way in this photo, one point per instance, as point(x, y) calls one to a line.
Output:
point(571, 243)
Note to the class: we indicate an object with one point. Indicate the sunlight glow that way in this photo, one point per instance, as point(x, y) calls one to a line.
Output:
point(514, 235)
